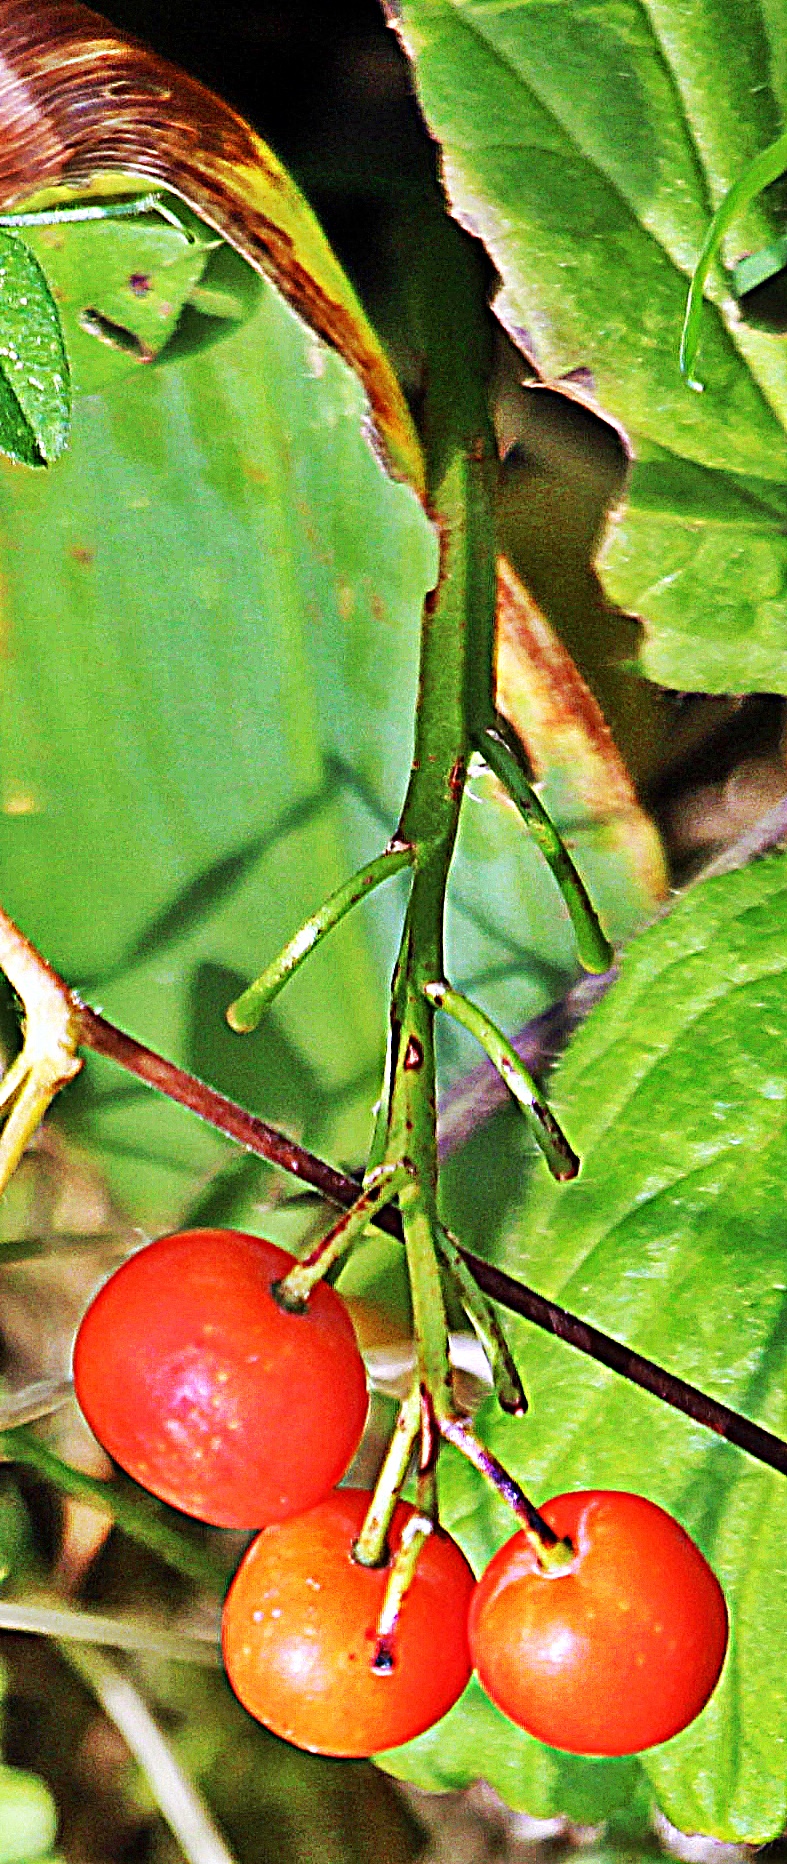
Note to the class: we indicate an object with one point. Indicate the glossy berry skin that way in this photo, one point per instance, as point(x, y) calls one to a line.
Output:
point(299, 1624)
point(208, 1393)
point(614, 1653)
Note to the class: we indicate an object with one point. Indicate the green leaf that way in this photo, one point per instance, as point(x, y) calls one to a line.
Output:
point(587, 145)
point(209, 588)
point(35, 408)
point(672, 1239)
point(122, 286)
point(475, 1741)
point(199, 148)
point(693, 543)
point(213, 612)
point(759, 267)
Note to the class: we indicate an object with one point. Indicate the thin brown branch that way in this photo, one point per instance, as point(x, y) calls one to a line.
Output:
point(731, 1425)
point(338, 1188)
point(255, 1135)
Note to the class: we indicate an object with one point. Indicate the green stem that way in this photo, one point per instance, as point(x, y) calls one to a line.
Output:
point(427, 1492)
point(414, 1534)
point(480, 1312)
point(766, 167)
point(551, 1140)
point(43, 1614)
point(137, 1514)
point(244, 1014)
point(428, 824)
point(96, 210)
point(293, 1291)
point(371, 1547)
point(593, 948)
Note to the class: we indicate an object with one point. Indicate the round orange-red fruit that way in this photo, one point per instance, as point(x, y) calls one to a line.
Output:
point(299, 1633)
point(209, 1393)
point(613, 1653)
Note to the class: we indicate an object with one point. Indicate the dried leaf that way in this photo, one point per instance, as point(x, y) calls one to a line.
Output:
point(80, 102)
point(567, 738)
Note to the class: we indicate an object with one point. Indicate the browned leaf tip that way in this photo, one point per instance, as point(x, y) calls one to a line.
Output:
point(79, 100)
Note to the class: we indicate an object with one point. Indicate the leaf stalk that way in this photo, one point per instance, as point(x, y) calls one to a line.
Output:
point(765, 168)
point(247, 1009)
point(549, 1137)
point(593, 947)
point(382, 1185)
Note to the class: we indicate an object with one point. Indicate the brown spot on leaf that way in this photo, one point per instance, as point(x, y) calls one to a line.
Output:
point(82, 554)
point(413, 1054)
point(140, 283)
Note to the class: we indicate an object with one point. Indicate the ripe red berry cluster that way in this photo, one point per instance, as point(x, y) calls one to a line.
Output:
point(214, 1397)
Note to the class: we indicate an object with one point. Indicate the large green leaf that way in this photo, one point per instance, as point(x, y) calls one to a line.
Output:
point(212, 614)
point(672, 1239)
point(694, 544)
point(199, 605)
point(125, 286)
point(586, 144)
point(475, 1742)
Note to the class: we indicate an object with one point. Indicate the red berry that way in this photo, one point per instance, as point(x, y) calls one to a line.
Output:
point(206, 1391)
point(613, 1653)
point(299, 1633)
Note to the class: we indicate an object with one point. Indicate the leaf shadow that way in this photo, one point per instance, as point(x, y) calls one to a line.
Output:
point(211, 888)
